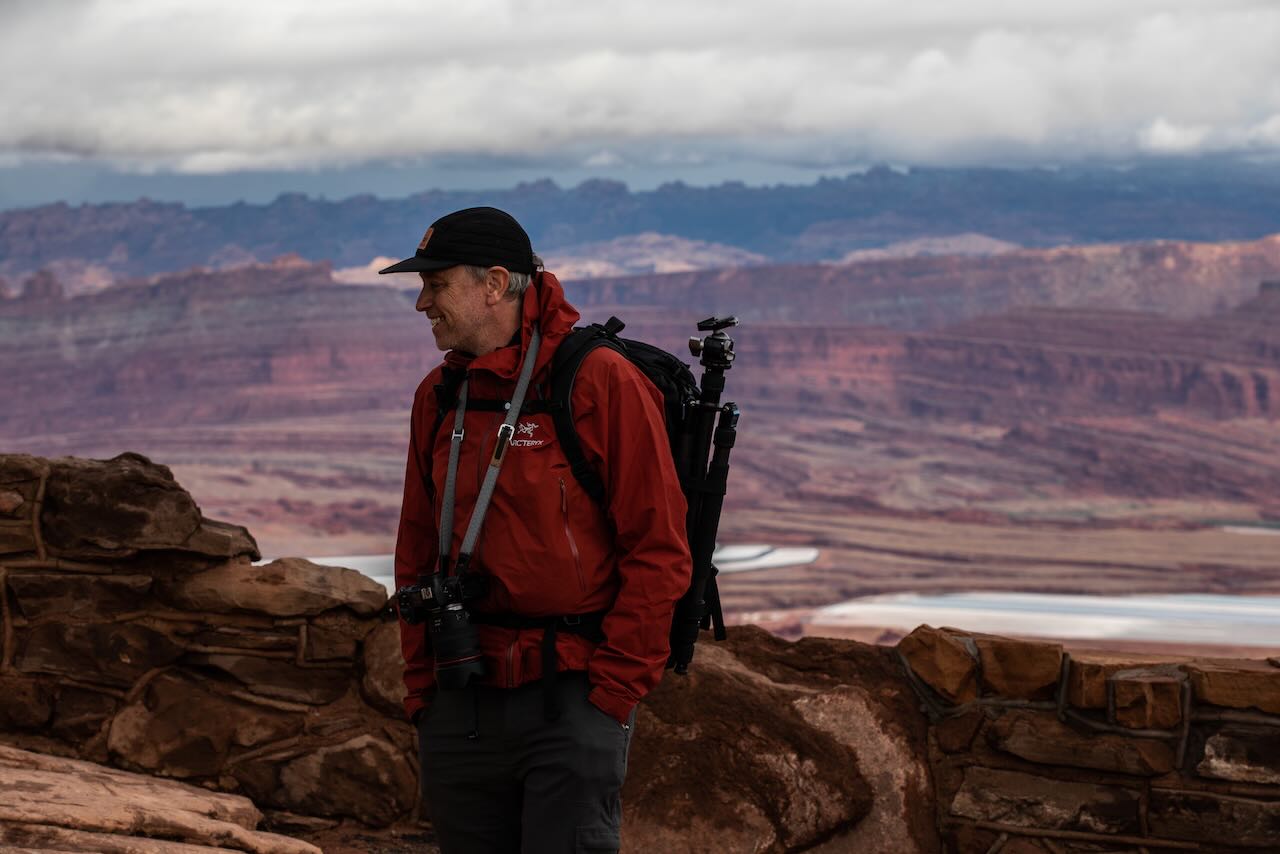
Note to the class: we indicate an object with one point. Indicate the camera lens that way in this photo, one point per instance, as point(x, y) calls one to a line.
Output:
point(455, 643)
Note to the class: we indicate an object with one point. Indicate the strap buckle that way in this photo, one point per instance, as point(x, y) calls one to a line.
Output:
point(458, 434)
point(505, 434)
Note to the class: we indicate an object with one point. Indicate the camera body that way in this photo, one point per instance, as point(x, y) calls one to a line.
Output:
point(438, 601)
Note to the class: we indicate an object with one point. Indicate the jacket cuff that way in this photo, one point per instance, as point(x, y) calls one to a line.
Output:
point(413, 704)
point(612, 705)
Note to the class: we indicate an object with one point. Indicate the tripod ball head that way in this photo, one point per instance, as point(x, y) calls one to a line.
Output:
point(716, 350)
point(715, 324)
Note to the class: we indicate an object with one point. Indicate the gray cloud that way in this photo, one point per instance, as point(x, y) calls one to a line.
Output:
point(211, 87)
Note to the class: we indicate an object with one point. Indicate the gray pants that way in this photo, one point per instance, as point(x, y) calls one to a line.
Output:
point(497, 776)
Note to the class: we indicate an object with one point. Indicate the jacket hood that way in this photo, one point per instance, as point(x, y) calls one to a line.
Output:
point(544, 304)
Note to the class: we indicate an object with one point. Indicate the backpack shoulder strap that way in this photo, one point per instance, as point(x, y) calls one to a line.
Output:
point(569, 356)
point(446, 397)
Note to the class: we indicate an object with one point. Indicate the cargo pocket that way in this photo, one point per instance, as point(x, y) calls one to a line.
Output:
point(597, 840)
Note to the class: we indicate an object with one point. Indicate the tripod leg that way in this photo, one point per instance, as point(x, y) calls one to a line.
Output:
point(702, 599)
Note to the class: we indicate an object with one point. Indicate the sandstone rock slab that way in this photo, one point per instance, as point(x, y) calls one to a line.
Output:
point(79, 712)
point(212, 636)
point(955, 734)
point(1027, 800)
point(62, 595)
point(1214, 819)
point(1089, 672)
point(1148, 697)
point(16, 537)
point(383, 680)
point(1019, 669)
point(1021, 845)
point(20, 476)
point(1237, 684)
point(160, 732)
point(289, 587)
point(11, 503)
point(1042, 738)
point(221, 540)
point(86, 798)
point(25, 703)
point(895, 767)
point(113, 653)
point(280, 679)
point(326, 644)
point(364, 777)
point(45, 839)
point(943, 662)
point(19, 484)
point(1242, 754)
point(95, 508)
point(754, 776)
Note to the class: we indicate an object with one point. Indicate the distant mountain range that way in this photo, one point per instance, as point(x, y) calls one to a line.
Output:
point(926, 210)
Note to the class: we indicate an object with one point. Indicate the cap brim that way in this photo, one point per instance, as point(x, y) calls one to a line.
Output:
point(418, 265)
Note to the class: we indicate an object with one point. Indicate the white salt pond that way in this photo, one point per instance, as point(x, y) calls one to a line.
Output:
point(1182, 618)
point(1189, 619)
point(1250, 530)
point(734, 558)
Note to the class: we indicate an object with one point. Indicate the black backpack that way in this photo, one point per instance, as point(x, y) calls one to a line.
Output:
point(700, 607)
point(671, 376)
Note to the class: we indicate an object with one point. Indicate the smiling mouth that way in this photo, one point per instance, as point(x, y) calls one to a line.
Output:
point(435, 321)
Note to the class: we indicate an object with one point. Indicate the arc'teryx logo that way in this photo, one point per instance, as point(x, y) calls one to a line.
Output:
point(526, 428)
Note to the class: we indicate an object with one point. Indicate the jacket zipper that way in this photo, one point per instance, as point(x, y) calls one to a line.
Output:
point(511, 660)
point(568, 532)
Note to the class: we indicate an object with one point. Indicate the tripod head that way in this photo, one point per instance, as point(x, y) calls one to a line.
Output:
point(715, 351)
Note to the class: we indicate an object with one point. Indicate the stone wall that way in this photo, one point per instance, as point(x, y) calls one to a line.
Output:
point(140, 634)
point(137, 633)
point(1036, 749)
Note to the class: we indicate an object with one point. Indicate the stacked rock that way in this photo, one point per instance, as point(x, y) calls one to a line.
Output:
point(138, 633)
point(1029, 742)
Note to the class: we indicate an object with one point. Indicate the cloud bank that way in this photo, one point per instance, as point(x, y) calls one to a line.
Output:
point(213, 87)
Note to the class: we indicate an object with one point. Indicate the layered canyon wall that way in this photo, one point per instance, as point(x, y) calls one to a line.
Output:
point(1055, 362)
point(1170, 278)
point(284, 339)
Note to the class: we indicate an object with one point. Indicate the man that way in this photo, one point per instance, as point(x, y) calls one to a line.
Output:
point(573, 622)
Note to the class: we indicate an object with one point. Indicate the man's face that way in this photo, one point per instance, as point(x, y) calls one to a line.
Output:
point(455, 304)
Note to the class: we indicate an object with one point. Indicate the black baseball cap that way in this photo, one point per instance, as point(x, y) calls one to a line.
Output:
point(479, 237)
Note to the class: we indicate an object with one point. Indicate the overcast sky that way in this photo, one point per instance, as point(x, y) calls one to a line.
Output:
point(755, 89)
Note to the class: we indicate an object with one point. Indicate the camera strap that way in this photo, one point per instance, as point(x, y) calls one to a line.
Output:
point(505, 433)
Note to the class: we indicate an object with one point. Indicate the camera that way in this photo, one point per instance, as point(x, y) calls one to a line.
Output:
point(439, 602)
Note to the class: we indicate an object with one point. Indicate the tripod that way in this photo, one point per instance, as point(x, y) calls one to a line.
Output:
point(710, 431)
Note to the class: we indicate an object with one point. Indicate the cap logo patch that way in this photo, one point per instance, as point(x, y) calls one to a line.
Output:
point(426, 237)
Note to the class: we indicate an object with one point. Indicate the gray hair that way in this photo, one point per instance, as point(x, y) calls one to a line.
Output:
point(517, 283)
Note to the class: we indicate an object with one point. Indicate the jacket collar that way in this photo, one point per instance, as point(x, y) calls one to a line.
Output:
point(544, 304)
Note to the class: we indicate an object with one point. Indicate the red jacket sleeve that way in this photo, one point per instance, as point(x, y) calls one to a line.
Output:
point(417, 544)
point(623, 433)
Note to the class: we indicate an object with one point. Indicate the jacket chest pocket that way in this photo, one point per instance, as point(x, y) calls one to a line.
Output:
point(536, 435)
point(532, 470)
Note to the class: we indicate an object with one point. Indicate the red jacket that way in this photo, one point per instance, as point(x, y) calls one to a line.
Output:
point(548, 547)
